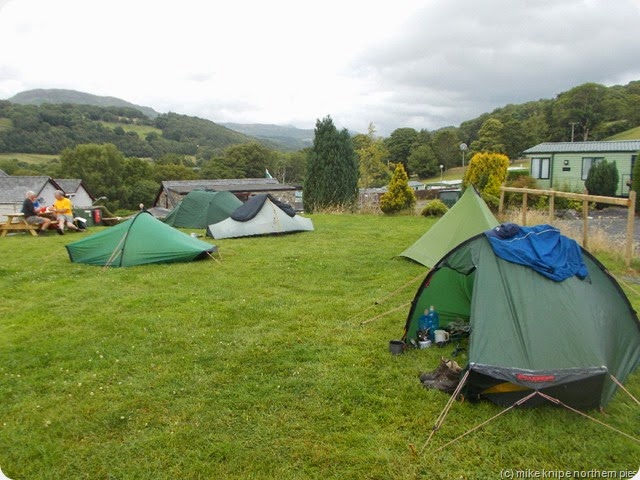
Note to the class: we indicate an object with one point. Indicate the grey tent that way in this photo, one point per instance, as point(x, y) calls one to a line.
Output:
point(260, 215)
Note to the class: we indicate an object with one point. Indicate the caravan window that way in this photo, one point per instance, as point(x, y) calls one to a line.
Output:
point(540, 167)
point(587, 163)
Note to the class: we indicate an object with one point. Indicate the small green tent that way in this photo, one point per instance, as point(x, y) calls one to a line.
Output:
point(201, 208)
point(468, 217)
point(140, 240)
point(531, 333)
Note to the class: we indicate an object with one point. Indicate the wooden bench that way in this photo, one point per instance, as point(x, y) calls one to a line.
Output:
point(17, 223)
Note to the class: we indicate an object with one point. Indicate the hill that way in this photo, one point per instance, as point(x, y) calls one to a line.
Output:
point(286, 137)
point(631, 134)
point(57, 95)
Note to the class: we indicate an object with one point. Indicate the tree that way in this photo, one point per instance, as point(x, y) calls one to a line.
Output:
point(400, 196)
point(487, 172)
point(372, 154)
point(399, 145)
point(576, 112)
point(423, 161)
point(332, 169)
point(101, 167)
point(248, 160)
point(490, 137)
point(289, 167)
point(446, 146)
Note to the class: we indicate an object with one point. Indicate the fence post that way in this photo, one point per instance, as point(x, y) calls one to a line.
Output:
point(524, 208)
point(552, 206)
point(501, 205)
point(585, 222)
point(631, 213)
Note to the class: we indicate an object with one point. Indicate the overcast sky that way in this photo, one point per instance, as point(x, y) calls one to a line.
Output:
point(401, 63)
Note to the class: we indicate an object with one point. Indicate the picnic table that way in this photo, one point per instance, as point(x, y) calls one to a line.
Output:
point(17, 223)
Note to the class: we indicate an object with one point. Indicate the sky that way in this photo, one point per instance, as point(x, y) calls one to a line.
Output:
point(424, 64)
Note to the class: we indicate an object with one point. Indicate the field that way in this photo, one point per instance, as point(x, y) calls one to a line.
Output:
point(141, 130)
point(30, 158)
point(257, 366)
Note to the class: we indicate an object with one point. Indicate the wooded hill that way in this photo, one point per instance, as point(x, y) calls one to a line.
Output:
point(54, 119)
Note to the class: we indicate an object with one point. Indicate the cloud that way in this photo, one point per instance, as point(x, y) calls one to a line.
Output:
point(418, 63)
point(456, 59)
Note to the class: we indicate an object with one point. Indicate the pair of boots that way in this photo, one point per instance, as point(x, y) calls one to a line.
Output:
point(444, 378)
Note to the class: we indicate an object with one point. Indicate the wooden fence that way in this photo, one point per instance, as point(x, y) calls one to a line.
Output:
point(630, 203)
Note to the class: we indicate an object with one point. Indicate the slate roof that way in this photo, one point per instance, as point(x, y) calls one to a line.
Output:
point(12, 189)
point(231, 185)
point(586, 147)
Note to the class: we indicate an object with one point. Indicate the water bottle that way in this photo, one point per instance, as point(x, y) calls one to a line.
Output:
point(433, 321)
point(423, 327)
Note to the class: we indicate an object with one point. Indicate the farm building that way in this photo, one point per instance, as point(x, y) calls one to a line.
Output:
point(172, 191)
point(13, 189)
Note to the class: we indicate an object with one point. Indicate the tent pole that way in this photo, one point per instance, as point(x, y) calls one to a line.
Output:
point(115, 252)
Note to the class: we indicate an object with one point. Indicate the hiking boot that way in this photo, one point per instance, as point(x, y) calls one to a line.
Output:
point(60, 231)
point(444, 384)
point(446, 367)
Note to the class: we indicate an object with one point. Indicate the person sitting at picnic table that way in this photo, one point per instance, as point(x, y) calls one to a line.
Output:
point(63, 209)
point(31, 214)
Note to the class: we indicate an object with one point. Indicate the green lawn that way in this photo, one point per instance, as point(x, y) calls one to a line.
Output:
point(257, 366)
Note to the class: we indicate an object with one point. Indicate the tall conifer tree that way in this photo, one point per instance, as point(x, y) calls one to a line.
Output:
point(332, 169)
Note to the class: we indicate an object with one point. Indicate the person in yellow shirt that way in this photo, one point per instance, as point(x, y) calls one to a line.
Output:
point(63, 209)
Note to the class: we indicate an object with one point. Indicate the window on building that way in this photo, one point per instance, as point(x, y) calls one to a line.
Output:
point(587, 163)
point(540, 167)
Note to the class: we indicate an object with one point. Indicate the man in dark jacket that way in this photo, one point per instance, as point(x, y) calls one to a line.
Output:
point(31, 215)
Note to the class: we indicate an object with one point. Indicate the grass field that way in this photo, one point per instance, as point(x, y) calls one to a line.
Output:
point(141, 130)
point(257, 366)
point(31, 158)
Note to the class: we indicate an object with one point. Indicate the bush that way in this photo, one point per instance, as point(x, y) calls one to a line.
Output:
point(602, 179)
point(400, 196)
point(435, 208)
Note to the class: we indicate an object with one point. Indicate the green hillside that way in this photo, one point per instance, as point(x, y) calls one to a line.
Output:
point(57, 95)
point(631, 134)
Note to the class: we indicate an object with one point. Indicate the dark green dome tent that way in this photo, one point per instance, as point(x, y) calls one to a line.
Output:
point(529, 332)
point(201, 208)
point(140, 240)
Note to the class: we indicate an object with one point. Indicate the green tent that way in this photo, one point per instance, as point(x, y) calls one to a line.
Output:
point(201, 208)
point(468, 217)
point(140, 240)
point(529, 333)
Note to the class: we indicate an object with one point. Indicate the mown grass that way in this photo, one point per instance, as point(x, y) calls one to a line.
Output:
point(255, 367)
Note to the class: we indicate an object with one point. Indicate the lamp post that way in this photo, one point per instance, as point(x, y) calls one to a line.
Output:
point(441, 167)
point(463, 148)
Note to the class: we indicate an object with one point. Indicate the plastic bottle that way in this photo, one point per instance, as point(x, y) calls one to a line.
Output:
point(433, 321)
